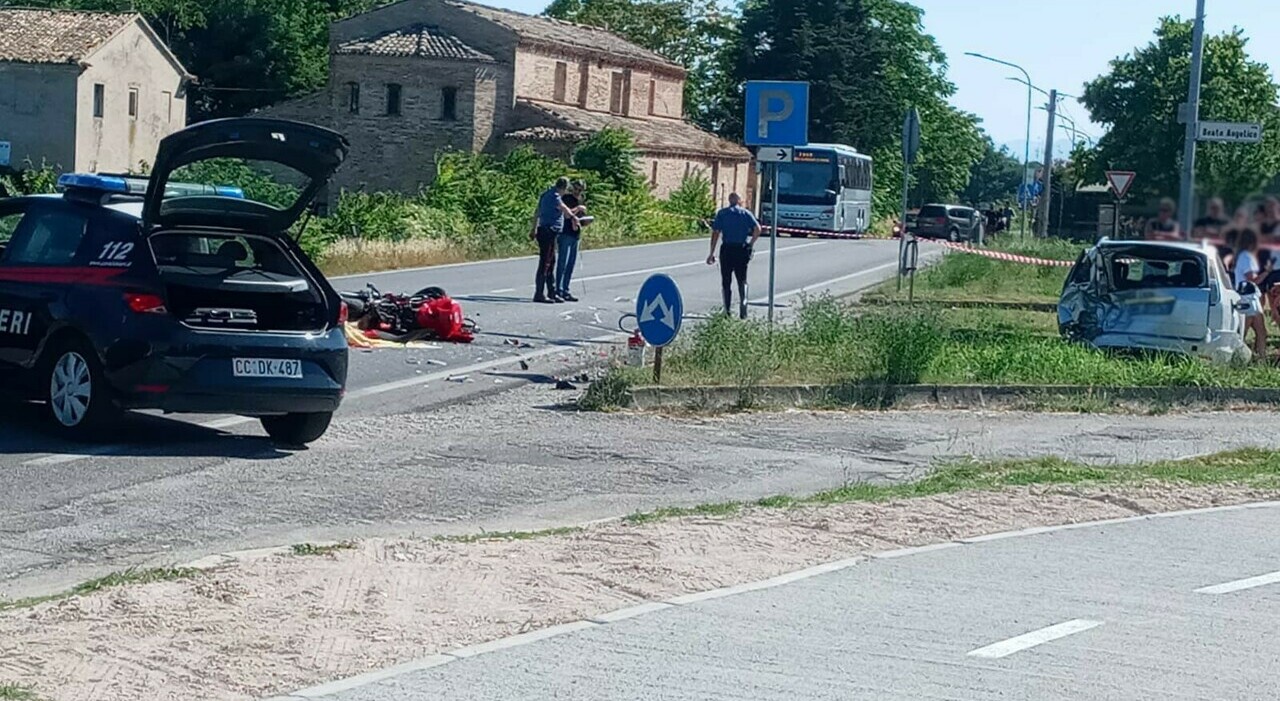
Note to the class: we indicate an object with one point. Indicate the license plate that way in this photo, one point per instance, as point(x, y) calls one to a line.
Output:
point(266, 367)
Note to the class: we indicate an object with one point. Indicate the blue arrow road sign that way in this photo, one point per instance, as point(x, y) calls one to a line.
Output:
point(659, 309)
point(777, 113)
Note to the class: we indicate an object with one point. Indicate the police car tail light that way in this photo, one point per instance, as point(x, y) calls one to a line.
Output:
point(145, 303)
point(344, 313)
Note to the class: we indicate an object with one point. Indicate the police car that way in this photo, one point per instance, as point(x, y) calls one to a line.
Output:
point(140, 293)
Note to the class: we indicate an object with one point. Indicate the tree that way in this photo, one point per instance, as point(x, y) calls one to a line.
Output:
point(245, 54)
point(867, 62)
point(995, 177)
point(691, 33)
point(1138, 100)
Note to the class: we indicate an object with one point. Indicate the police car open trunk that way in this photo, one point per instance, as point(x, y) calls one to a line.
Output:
point(227, 252)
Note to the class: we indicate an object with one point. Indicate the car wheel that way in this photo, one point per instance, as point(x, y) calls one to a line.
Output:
point(76, 395)
point(297, 429)
point(953, 236)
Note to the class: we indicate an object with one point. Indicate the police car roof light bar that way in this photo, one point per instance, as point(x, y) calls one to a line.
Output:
point(135, 185)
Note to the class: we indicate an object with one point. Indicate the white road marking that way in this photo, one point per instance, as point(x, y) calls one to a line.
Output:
point(1004, 648)
point(418, 380)
point(1241, 584)
point(502, 291)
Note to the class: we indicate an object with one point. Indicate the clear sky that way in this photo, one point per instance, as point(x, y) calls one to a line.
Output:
point(1061, 43)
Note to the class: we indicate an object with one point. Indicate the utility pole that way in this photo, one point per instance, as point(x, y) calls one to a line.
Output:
point(1043, 229)
point(1191, 113)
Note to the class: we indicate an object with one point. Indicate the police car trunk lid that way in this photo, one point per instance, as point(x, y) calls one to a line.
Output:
point(305, 149)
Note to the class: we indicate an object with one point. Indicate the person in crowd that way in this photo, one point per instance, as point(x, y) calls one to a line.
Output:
point(569, 239)
point(548, 224)
point(739, 230)
point(1214, 221)
point(1269, 219)
point(1165, 226)
point(1246, 269)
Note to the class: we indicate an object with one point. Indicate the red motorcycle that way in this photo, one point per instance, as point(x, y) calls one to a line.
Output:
point(428, 314)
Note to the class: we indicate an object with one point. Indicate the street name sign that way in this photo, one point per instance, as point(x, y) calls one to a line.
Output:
point(1229, 132)
point(774, 154)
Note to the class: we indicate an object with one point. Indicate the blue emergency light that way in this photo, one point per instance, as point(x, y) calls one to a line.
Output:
point(115, 184)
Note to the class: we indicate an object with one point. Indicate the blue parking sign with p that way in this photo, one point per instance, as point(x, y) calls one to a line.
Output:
point(777, 113)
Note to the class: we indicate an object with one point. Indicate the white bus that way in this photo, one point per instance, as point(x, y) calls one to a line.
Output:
point(825, 189)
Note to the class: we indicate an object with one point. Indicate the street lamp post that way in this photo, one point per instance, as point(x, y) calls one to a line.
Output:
point(1026, 154)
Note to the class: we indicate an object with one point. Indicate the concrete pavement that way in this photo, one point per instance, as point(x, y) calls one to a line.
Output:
point(1176, 606)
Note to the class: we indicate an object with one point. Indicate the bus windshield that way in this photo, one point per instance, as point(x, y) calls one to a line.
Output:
point(807, 183)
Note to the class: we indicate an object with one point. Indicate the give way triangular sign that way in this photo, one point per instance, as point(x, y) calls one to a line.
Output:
point(1120, 181)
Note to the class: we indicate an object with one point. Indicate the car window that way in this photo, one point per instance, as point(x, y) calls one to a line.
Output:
point(1082, 273)
point(933, 211)
point(46, 237)
point(1130, 273)
point(8, 224)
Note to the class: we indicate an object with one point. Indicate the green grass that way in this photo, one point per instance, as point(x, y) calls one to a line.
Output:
point(509, 535)
point(830, 343)
point(971, 277)
point(1255, 468)
point(115, 579)
point(9, 692)
point(311, 549)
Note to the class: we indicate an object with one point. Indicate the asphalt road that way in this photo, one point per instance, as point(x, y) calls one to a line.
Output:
point(189, 485)
point(1183, 607)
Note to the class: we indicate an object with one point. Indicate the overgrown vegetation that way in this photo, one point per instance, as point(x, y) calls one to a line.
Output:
point(832, 343)
point(1251, 467)
point(313, 549)
point(115, 579)
point(9, 692)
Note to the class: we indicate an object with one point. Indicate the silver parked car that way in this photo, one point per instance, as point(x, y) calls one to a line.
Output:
point(1155, 295)
point(949, 221)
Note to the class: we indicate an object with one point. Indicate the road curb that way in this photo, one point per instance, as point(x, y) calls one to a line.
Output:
point(879, 396)
point(643, 607)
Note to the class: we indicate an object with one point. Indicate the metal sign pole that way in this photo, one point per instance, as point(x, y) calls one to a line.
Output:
point(773, 240)
point(902, 240)
point(657, 365)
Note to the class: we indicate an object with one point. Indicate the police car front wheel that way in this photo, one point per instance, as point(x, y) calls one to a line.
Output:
point(76, 395)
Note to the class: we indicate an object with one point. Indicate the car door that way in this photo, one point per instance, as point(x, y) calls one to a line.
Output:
point(11, 214)
point(36, 273)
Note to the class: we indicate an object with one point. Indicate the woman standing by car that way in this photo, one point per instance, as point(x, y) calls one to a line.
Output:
point(1247, 270)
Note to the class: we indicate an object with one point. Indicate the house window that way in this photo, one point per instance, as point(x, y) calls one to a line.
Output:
point(449, 104)
point(99, 100)
point(562, 79)
point(615, 94)
point(393, 99)
point(168, 105)
point(353, 98)
point(133, 103)
point(653, 94)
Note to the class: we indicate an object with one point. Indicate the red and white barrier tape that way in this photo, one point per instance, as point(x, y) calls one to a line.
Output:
point(1008, 257)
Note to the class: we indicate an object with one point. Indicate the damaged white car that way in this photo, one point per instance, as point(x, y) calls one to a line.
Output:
point(1156, 296)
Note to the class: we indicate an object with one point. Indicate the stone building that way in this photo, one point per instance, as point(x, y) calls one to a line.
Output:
point(415, 77)
point(87, 91)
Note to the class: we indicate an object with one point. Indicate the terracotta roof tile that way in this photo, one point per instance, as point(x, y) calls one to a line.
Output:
point(657, 134)
point(56, 36)
point(554, 31)
point(420, 40)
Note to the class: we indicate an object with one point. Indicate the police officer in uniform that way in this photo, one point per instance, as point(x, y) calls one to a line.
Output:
point(739, 230)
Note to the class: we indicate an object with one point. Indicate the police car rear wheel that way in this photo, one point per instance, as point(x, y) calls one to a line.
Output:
point(76, 396)
point(297, 429)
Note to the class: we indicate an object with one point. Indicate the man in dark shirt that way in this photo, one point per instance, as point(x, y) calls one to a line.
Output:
point(548, 224)
point(568, 240)
point(740, 230)
point(1214, 221)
